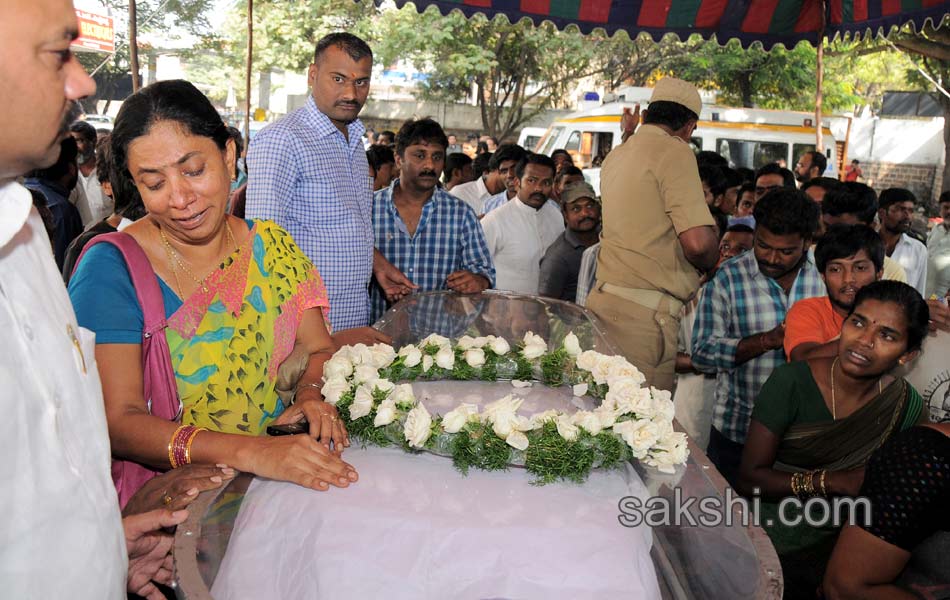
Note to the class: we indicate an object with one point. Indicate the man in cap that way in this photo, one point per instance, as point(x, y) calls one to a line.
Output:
point(562, 261)
point(658, 233)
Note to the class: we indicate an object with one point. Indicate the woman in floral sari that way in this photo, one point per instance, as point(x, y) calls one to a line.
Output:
point(815, 424)
point(239, 296)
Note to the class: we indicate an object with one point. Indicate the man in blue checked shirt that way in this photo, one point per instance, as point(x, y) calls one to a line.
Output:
point(431, 236)
point(740, 319)
point(308, 172)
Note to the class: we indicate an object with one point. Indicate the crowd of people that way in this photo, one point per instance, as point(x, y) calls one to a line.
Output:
point(205, 296)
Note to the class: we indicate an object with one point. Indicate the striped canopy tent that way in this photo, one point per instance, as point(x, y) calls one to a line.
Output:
point(767, 21)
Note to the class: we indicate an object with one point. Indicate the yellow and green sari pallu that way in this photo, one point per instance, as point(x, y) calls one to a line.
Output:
point(227, 342)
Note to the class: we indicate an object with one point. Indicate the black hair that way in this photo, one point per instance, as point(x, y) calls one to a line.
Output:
point(671, 114)
point(746, 187)
point(494, 140)
point(911, 302)
point(712, 176)
point(85, 130)
point(505, 153)
point(455, 162)
point(739, 228)
point(389, 134)
point(825, 183)
point(68, 151)
point(567, 171)
point(480, 164)
point(788, 178)
point(565, 153)
point(354, 47)
point(128, 200)
point(733, 178)
point(895, 196)
point(175, 100)
point(104, 158)
point(843, 241)
point(721, 218)
point(851, 198)
point(710, 158)
point(944, 197)
point(818, 160)
point(747, 174)
point(784, 211)
point(531, 158)
point(415, 131)
point(235, 134)
point(379, 155)
point(482, 148)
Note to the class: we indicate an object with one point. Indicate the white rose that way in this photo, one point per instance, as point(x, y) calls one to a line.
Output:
point(565, 428)
point(664, 428)
point(418, 426)
point(572, 345)
point(427, 363)
point(360, 354)
point(607, 416)
point(457, 418)
point(534, 346)
point(466, 341)
point(337, 367)
point(580, 389)
point(445, 358)
point(475, 357)
point(334, 388)
point(499, 346)
point(587, 359)
point(365, 373)
point(503, 415)
point(640, 435)
point(412, 356)
point(641, 404)
point(362, 403)
point(663, 408)
point(383, 385)
point(382, 355)
point(588, 421)
point(623, 391)
point(517, 440)
point(538, 419)
point(601, 370)
point(435, 340)
point(480, 342)
point(403, 395)
point(671, 451)
point(385, 413)
point(521, 384)
point(620, 368)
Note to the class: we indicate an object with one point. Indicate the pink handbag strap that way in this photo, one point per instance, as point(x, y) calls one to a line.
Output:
point(160, 388)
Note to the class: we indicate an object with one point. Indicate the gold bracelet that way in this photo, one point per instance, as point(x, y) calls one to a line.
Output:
point(797, 484)
point(821, 483)
point(191, 439)
point(318, 386)
point(171, 448)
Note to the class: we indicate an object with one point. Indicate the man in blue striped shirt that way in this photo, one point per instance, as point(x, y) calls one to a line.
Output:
point(740, 320)
point(432, 237)
point(308, 172)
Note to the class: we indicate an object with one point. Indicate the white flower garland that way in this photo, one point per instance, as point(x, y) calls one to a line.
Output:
point(360, 381)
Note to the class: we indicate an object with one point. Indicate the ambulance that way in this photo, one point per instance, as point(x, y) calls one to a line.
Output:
point(746, 137)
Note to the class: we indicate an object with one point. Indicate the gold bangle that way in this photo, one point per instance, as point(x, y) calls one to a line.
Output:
point(171, 448)
point(821, 483)
point(191, 439)
point(318, 386)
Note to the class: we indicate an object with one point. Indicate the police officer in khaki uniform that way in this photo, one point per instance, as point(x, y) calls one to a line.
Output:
point(658, 234)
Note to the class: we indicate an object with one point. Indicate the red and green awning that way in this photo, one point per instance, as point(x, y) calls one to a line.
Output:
point(768, 21)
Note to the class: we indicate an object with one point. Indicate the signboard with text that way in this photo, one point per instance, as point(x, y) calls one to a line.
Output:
point(96, 32)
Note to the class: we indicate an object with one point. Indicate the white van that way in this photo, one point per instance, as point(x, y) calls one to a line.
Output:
point(746, 137)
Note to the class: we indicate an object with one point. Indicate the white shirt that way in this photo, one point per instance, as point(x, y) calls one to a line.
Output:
point(473, 193)
point(912, 255)
point(518, 237)
point(91, 202)
point(61, 532)
point(938, 261)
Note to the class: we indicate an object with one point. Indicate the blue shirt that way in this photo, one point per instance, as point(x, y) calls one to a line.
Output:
point(496, 201)
point(314, 182)
point(66, 220)
point(740, 302)
point(448, 238)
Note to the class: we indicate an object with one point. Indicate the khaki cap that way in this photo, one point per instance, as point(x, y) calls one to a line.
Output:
point(576, 191)
point(670, 89)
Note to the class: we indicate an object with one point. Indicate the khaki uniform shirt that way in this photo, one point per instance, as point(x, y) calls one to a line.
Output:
point(651, 193)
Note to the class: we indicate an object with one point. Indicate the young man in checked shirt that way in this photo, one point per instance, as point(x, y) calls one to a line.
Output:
point(432, 237)
point(740, 327)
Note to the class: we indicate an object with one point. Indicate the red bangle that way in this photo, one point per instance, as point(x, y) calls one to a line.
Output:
point(179, 444)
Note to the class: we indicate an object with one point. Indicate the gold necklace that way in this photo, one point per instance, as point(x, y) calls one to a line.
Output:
point(834, 363)
point(174, 257)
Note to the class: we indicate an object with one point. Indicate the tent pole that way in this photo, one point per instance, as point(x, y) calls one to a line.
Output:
point(820, 76)
point(134, 47)
point(247, 79)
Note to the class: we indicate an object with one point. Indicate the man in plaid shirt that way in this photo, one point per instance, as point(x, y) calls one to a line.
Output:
point(431, 236)
point(740, 327)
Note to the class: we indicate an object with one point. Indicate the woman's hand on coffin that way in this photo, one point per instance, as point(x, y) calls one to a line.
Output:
point(299, 459)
